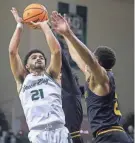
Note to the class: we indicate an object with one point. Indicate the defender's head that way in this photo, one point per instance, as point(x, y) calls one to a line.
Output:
point(35, 60)
point(106, 57)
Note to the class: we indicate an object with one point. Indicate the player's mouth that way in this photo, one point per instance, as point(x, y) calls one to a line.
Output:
point(38, 62)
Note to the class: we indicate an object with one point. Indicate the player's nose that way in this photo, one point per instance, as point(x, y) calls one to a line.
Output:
point(38, 58)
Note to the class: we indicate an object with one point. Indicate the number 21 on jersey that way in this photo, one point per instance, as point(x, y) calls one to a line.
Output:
point(37, 94)
point(116, 106)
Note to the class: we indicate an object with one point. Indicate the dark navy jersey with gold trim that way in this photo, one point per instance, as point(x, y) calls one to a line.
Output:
point(103, 111)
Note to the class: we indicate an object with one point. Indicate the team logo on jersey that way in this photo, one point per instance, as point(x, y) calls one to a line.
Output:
point(36, 83)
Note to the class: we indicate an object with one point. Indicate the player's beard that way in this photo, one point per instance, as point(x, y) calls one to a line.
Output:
point(39, 67)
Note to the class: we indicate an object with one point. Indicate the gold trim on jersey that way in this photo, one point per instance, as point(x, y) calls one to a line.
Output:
point(75, 134)
point(113, 128)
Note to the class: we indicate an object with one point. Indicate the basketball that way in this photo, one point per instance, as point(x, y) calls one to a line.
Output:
point(35, 13)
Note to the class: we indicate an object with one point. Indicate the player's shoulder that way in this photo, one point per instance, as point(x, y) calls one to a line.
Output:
point(107, 76)
point(20, 82)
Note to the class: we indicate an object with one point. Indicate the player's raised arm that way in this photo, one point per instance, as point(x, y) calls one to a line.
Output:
point(55, 63)
point(73, 53)
point(15, 61)
point(61, 26)
point(75, 56)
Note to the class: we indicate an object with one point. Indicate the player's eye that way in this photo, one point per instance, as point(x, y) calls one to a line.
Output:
point(41, 57)
point(33, 57)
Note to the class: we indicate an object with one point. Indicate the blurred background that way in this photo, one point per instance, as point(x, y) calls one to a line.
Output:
point(95, 22)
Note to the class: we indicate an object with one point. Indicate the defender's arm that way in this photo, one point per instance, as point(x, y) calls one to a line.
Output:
point(88, 57)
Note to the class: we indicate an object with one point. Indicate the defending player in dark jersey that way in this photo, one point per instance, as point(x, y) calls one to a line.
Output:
point(71, 101)
point(103, 113)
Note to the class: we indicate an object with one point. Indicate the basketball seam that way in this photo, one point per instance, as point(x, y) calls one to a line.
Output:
point(34, 16)
point(43, 7)
point(33, 8)
point(43, 17)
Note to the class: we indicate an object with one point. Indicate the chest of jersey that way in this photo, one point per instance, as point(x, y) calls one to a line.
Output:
point(41, 101)
point(39, 89)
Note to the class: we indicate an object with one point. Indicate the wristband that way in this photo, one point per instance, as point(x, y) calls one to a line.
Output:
point(19, 25)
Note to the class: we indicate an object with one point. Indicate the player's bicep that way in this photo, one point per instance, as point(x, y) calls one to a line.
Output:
point(55, 65)
point(17, 67)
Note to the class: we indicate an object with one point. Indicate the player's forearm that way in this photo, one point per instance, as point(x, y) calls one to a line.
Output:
point(15, 40)
point(74, 55)
point(51, 39)
point(85, 54)
point(71, 49)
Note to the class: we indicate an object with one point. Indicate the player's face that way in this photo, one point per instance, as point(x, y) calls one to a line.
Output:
point(36, 61)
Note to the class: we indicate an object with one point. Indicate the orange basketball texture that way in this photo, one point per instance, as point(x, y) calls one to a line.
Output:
point(35, 12)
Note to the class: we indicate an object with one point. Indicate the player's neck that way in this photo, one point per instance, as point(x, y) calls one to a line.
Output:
point(38, 72)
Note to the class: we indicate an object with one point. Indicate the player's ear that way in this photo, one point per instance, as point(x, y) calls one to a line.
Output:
point(27, 67)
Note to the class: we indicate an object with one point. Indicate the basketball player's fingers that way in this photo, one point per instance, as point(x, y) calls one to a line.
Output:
point(13, 8)
point(67, 18)
point(34, 24)
point(37, 27)
point(11, 11)
point(14, 11)
point(54, 25)
point(53, 18)
point(55, 14)
point(60, 16)
point(15, 14)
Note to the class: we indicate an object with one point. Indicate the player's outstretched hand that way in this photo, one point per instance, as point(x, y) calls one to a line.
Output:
point(18, 19)
point(59, 23)
point(39, 25)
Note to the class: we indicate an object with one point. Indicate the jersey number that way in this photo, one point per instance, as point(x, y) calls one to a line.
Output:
point(37, 94)
point(116, 110)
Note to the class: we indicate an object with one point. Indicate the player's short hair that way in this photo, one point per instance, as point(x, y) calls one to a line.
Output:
point(32, 52)
point(106, 56)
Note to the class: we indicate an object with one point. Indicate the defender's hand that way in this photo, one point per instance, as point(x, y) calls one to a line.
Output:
point(18, 19)
point(59, 23)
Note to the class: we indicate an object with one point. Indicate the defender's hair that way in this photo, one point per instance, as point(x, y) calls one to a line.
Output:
point(106, 56)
